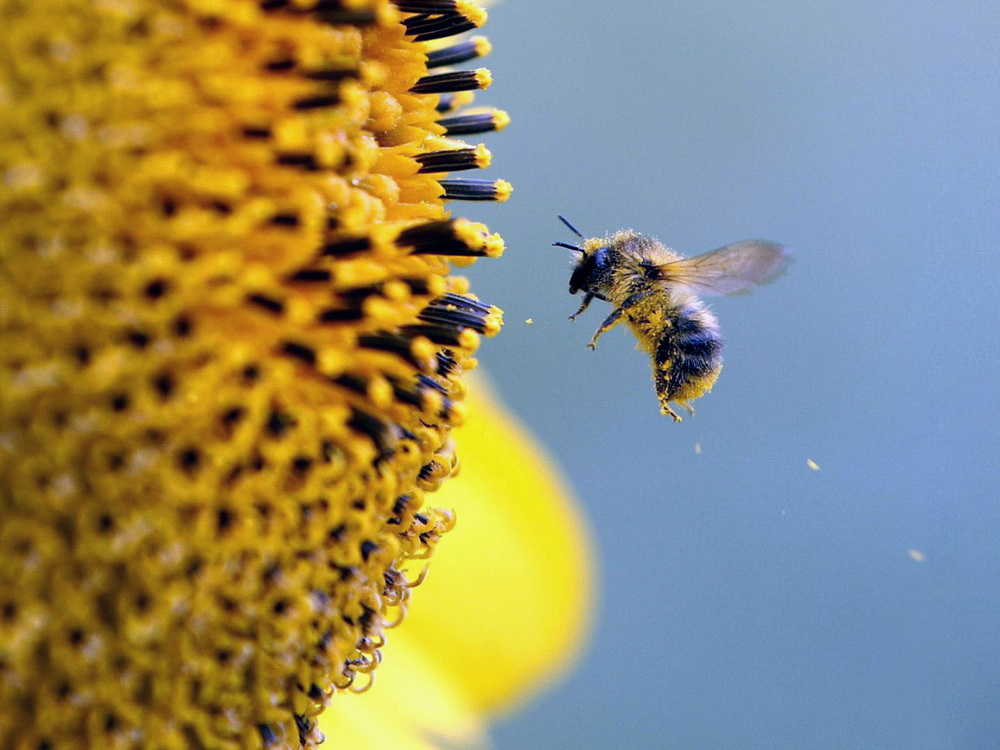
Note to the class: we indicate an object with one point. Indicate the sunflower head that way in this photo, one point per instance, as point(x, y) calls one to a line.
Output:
point(231, 353)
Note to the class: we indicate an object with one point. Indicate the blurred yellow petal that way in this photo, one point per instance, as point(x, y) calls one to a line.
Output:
point(518, 576)
point(505, 608)
point(414, 703)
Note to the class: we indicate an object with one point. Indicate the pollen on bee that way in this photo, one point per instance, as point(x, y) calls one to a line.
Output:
point(812, 464)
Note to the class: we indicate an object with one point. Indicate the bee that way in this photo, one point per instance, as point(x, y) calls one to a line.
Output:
point(656, 292)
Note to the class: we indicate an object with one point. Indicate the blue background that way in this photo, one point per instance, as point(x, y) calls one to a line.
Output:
point(745, 600)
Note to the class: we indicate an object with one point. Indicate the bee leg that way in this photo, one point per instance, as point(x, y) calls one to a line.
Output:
point(613, 318)
point(587, 299)
point(666, 411)
point(662, 379)
point(664, 367)
point(610, 322)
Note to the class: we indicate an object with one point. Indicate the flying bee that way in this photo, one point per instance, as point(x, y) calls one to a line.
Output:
point(657, 293)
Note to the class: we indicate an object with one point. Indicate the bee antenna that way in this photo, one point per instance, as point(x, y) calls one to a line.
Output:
point(574, 248)
point(573, 229)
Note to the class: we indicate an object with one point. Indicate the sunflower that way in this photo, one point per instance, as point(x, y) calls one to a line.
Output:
point(231, 353)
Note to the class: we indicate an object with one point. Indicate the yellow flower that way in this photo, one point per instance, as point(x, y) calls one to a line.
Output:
point(231, 353)
point(503, 611)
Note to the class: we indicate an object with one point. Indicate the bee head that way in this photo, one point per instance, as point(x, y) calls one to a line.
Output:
point(591, 269)
point(592, 265)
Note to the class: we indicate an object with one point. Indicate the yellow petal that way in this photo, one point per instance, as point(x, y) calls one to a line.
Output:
point(414, 704)
point(507, 606)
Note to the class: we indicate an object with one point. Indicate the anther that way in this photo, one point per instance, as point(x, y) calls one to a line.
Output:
point(476, 190)
point(477, 46)
point(454, 159)
point(458, 80)
point(463, 15)
point(478, 122)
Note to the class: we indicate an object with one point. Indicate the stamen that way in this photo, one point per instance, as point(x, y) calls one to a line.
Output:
point(458, 80)
point(445, 363)
point(476, 190)
point(478, 122)
point(425, 27)
point(477, 46)
point(460, 238)
point(333, 12)
point(428, 382)
point(330, 74)
point(444, 335)
point(320, 5)
point(427, 6)
point(417, 285)
point(268, 303)
point(267, 735)
point(285, 220)
point(339, 315)
point(347, 17)
point(353, 383)
point(442, 310)
point(347, 246)
point(299, 351)
point(419, 396)
point(403, 347)
point(306, 161)
point(311, 274)
point(316, 102)
point(454, 159)
point(455, 318)
point(374, 428)
point(461, 301)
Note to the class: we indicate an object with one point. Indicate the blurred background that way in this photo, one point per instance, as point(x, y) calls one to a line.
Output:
point(746, 600)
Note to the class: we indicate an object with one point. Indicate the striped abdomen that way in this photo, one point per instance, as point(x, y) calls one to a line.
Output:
point(688, 357)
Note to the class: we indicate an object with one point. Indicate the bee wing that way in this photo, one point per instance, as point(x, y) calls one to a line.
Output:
point(733, 269)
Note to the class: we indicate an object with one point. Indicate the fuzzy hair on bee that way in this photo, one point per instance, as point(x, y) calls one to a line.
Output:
point(657, 293)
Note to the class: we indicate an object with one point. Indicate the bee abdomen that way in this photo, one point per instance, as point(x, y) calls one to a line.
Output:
point(687, 360)
point(686, 368)
point(700, 347)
